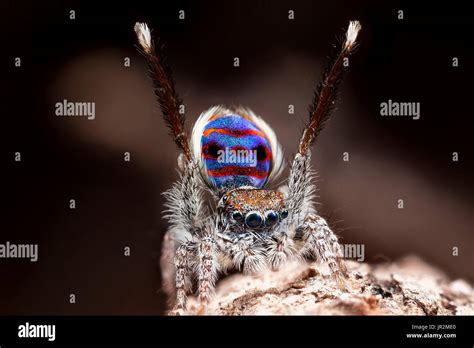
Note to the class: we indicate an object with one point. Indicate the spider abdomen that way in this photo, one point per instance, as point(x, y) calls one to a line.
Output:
point(235, 151)
point(235, 148)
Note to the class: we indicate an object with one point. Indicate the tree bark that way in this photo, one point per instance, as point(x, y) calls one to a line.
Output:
point(407, 287)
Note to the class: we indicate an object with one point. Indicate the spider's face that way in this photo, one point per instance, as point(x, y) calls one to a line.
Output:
point(247, 208)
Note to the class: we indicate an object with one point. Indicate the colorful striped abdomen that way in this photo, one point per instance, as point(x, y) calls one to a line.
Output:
point(236, 152)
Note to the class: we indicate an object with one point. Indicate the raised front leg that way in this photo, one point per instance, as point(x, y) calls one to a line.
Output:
point(319, 238)
point(316, 239)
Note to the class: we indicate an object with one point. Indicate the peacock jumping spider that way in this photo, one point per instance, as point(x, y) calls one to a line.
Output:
point(223, 214)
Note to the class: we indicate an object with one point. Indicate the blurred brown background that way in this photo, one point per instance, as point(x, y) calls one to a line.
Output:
point(119, 203)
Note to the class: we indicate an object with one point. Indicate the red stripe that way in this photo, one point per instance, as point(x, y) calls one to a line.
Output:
point(233, 132)
point(235, 170)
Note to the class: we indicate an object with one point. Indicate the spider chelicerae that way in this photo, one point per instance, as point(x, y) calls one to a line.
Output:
point(223, 213)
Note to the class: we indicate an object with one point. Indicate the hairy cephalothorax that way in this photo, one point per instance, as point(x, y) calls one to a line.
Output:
point(223, 212)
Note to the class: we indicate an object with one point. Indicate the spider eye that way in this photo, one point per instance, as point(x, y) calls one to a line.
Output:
point(237, 216)
point(284, 214)
point(271, 218)
point(254, 219)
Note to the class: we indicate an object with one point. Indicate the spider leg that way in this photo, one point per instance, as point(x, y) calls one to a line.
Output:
point(207, 269)
point(183, 264)
point(327, 90)
point(185, 212)
point(164, 87)
point(198, 255)
point(184, 202)
point(314, 238)
point(310, 232)
point(168, 273)
point(300, 189)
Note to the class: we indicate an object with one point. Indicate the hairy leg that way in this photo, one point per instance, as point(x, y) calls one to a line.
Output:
point(316, 239)
point(186, 214)
point(183, 263)
point(207, 269)
point(168, 271)
point(197, 256)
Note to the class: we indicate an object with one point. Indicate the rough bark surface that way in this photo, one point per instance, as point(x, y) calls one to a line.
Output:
point(407, 287)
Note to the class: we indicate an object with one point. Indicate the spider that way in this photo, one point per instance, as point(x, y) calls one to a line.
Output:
point(226, 214)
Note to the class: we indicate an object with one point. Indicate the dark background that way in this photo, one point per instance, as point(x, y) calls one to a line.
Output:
point(119, 203)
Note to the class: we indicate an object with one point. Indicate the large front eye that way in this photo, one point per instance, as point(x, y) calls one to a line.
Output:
point(271, 218)
point(237, 216)
point(254, 219)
